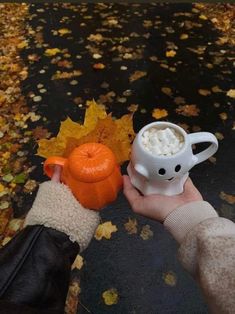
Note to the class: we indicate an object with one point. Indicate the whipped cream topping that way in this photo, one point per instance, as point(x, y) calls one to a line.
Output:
point(163, 142)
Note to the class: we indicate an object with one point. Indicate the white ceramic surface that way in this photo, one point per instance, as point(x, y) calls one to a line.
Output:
point(166, 175)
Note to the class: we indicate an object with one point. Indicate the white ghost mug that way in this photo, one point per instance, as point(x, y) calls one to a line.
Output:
point(157, 174)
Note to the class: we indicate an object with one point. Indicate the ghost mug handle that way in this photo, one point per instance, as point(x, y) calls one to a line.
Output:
point(201, 137)
point(51, 166)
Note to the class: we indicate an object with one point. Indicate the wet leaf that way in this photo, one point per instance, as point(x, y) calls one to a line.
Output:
point(131, 226)
point(146, 232)
point(216, 89)
point(98, 66)
point(188, 110)
point(167, 91)
point(170, 53)
point(110, 296)
point(78, 262)
point(50, 52)
point(159, 113)
point(229, 198)
point(105, 230)
point(170, 278)
point(137, 75)
point(183, 36)
point(223, 116)
point(231, 93)
point(204, 92)
point(64, 31)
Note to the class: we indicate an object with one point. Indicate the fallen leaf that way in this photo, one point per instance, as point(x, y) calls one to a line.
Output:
point(133, 108)
point(137, 75)
point(110, 296)
point(183, 36)
point(167, 91)
point(78, 262)
point(146, 232)
point(64, 31)
point(170, 278)
point(95, 37)
point(131, 226)
point(231, 93)
point(229, 198)
point(39, 132)
point(188, 110)
point(66, 75)
point(98, 66)
point(212, 159)
point(159, 113)
point(219, 136)
point(105, 230)
point(50, 52)
point(217, 89)
point(170, 53)
point(203, 17)
point(204, 92)
point(223, 116)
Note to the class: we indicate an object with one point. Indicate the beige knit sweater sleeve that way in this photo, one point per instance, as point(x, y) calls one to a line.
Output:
point(207, 251)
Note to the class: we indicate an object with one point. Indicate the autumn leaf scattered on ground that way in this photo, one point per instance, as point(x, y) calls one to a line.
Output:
point(167, 91)
point(50, 52)
point(170, 278)
point(64, 31)
point(78, 262)
point(133, 108)
point(231, 93)
point(66, 75)
point(217, 89)
point(229, 198)
point(146, 232)
point(219, 136)
point(131, 226)
point(170, 53)
point(137, 75)
point(188, 110)
point(183, 36)
point(105, 230)
point(204, 92)
point(98, 66)
point(159, 113)
point(223, 116)
point(110, 296)
point(39, 132)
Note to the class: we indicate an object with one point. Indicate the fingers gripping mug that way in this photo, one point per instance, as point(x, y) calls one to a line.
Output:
point(166, 173)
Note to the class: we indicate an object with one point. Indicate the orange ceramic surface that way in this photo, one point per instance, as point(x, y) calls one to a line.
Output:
point(91, 172)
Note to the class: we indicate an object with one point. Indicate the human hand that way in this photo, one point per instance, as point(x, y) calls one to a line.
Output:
point(158, 206)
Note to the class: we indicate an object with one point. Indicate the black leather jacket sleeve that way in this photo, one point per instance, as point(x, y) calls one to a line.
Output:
point(35, 271)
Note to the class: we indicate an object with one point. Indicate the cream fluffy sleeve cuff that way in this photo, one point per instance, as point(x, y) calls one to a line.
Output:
point(185, 218)
point(56, 207)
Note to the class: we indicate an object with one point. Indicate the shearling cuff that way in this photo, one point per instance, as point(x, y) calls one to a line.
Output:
point(185, 218)
point(56, 207)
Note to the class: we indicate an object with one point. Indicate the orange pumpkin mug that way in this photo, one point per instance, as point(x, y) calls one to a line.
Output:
point(91, 172)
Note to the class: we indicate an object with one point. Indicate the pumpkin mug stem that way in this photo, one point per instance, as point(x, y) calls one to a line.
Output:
point(54, 164)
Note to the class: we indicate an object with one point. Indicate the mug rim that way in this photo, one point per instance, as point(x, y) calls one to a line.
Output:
point(163, 123)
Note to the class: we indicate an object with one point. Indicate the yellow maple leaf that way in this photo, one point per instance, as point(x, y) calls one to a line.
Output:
point(159, 113)
point(105, 230)
point(52, 52)
point(64, 31)
point(170, 278)
point(110, 296)
point(22, 45)
point(78, 262)
point(98, 127)
point(170, 53)
point(183, 36)
point(131, 226)
point(203, 17)
point(146, 232)
point(231, 93)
